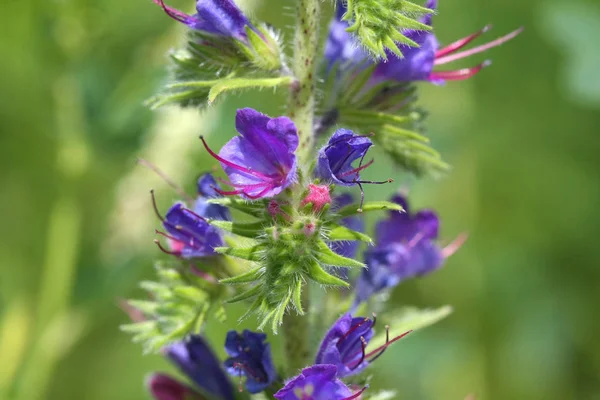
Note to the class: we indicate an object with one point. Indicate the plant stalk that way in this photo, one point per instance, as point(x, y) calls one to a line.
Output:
point(301, 103)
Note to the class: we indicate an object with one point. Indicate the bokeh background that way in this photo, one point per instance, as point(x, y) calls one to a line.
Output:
point(77, 224)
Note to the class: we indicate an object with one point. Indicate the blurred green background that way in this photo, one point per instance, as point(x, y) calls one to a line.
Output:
point(522, 137)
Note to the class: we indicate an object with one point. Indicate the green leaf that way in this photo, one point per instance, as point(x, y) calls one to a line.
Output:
point(226, 85)
point(255, 209)
point(254, 291)
point(368, 206)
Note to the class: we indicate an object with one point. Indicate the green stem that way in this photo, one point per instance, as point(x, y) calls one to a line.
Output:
point(296, 331)
point(302, 96)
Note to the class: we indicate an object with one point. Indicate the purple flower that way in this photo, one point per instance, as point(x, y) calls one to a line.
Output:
point(163, 387)
point(216, 17)
point(334, 164)
point(406, 248)
point(347, 248)
point(250, 356)
point(195, 359)
point(417, 63)
point(189, 234)
point(207, 189)
point(261, 161)
point(345, 343)
point(318, 382)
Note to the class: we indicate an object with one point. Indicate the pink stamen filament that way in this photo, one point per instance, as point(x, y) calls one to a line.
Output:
point(455, 245)
point(363, 346)
point(192, 213)
point(232, 165)
point(416, 239)
point(357, 394)
point(478, 49)
point(460, 43)
point(244, 185)
point(459, 74)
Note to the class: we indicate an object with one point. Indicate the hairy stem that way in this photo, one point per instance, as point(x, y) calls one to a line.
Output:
point(302, 95)
point(296, 337)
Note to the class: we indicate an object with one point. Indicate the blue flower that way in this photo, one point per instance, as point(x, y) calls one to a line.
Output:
point(189, 234)
point(406, 248)
point(195, 359)
point(250, 356)
point(318, 382)
point(334, 164)
point(163, 387)
point(345, 343)
point(207, 189)
point(216, 17)
point(341, 48)
point(261, 161)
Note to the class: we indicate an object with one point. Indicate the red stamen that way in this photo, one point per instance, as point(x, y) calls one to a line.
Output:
point(358, 169)
point(478, 49)
point(374, 320)
point(459, 74)
point(387, 340)
point(202, 274)
point(193, 214)
point(353, 328)
point(259, 195)
point(357, 394)
point(460, 43)
point(160, 246)
point(385, 346)
point(155, 206)
point(232, 165)
point(228, 193)
point(363, 346)
point(243, 185)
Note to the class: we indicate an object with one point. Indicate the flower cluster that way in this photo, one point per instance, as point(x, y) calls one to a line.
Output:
point(279, 221)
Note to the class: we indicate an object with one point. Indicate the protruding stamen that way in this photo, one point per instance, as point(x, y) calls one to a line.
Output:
point(357, 394)
point(478, 49)
point(353, 328)
point(174, 13)
point(460, 43)
point(374, 320)
point(459, 74)
point(454, 245)
point(192, 213)
point(160, 246)
point(155, 206)
point(416, 239)
point(363, 346)
point(379, 351)
point(165, 178)
point(202, 274)
point(387, 340)
point(232, 165)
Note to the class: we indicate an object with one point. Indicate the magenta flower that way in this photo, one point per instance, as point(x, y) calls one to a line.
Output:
point(261, 161)
point(216, 17)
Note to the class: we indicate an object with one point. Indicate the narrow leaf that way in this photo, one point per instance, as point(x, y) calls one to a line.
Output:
point(331, 258)
point(247, 277)
point(319, 275)
point(369, 206)
point(246, 83)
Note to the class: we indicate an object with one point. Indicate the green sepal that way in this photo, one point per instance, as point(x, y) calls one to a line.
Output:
point(329, 257)
point(249, 229)
point(247, 277)
point(315, 272)
point(227, 85)
point(254, 209)
point(262, 51)
point(249, 253)
point(297, 296)
point(254, 291)
point(340, 232)
point(368, 206)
